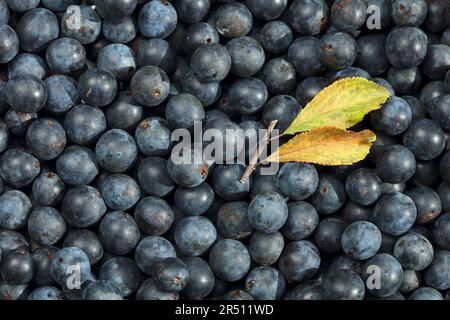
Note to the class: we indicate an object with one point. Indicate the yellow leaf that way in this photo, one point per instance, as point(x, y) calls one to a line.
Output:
point(341, 105)
point(326, 146)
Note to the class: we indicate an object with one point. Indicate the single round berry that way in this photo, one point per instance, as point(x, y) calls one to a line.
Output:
point(106, 151)
point(308, 17)
point(268, 212)
point(153, 215)
point(46, 138)
point(390, 271)
point(81, 23)
point(36, 29)
point(211, 62)
point(413, 251)
point(119, 233)
point(363, 186)
point(229, 260)
point(194, 235)
point(119, 60)
point(338, 50)
point(75, 211)
point(386, 217)
point(406, 47)
point(425, 139)
point(150, 86)
point(170, 274)
point(157, 19)
point(361, 240)
point(299, 261)
point(9, 45)
point(330, 195)
point(396, 164)
point(120, 191)
point(66, 56)
point(298, 180)
point(233, 20)
point(153, 137)
point(26, 93)
point(97, 87)
point(247, 56)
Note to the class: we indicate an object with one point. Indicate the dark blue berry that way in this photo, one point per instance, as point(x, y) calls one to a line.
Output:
point(18, 168)
point(330, 195)
point(157, 52)
point(233, 221)
point(157, 19)
point(427, 203)
point(150, 86)
point(46, 225)
point(153, 137)
point(348, 15)
point(119, 32)
point(17, 267)
point(229, 260)
point(28, 63)
point(247, 56)
point(226, 182)
point(413, 251)
point(298, 180)
point(211, 62)
point(66, 56)
point(386, 217)
point(9, 44)
point(62, 94)
point(123, 274)
point(195, 235)
point(233, 20)
point(109, 158)
point(201, 278)
point(153, 215)
point(266, 9)
point(192, 11)
point(396, 164)
point(338, 50)
point(343, 285)
point(194, 201)
point(119, 233)
point(36, 29)
point(81, 23)
point(276, 37)
point(118, 59)
point(299, 261)
point(87, 241)
point(97, 87)
point(279, 76)
point(308, 17)
point(153, 177)
point(75, 211)
point(26, 93)
point(184, 110)
point(170, 274)
point(390, 275)
point(65, 262)
point(406, 47)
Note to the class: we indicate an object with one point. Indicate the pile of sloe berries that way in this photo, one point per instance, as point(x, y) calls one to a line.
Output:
point(92, 205)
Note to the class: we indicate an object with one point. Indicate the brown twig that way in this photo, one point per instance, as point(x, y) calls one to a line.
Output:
point(281, 135)
point(261, 146)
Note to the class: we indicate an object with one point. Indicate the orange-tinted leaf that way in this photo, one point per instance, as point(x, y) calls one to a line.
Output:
point(326, 146)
